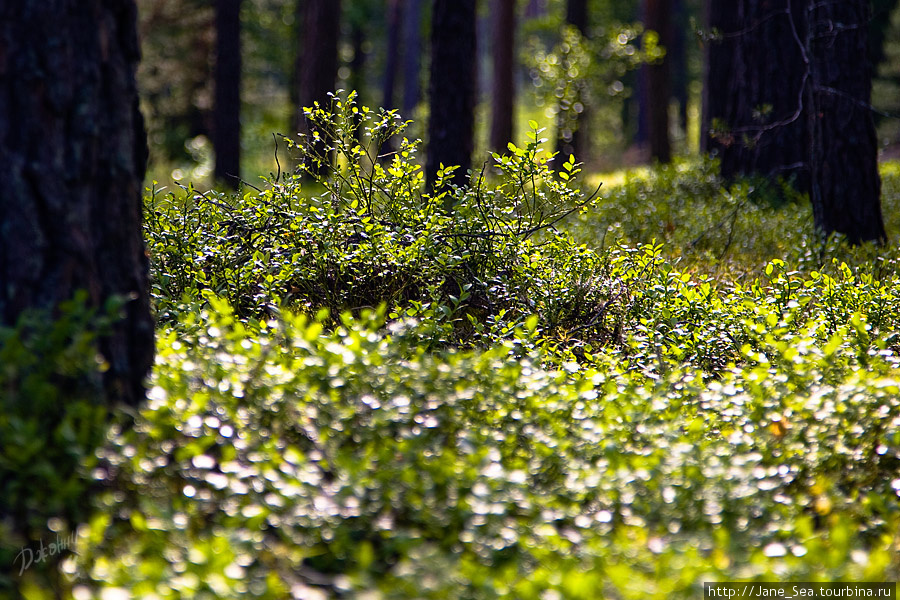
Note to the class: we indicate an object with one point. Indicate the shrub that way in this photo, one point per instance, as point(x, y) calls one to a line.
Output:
point(473, 260)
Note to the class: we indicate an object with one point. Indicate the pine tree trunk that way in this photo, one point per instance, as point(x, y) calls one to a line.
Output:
point(227, 128)
point(72, 159)
point(677, 52)
point(846, 184)
point(658, 18)
point(318, 70)
point(395, 17)
point(571, 138)
point(756, 80)
point(452, 89)
point(503, 96)
point(412, 50)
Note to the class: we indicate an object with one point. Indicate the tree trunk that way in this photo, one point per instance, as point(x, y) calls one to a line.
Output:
point(846, 186)
point(571, 137)
point(395, 17)
point(754, 126)
point(412, 51)
point(677, 53)
point(658, 18)
point(72, 160)
point(718, 51)
point(299, 66)
point(227, 129)
point(503, 96)
point(318, 71)
point(452, 89)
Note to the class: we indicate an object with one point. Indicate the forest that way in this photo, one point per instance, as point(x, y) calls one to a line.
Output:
point(449, 299)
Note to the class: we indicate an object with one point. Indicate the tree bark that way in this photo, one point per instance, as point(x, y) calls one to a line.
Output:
point(452, 89)
point(72, 160)
point(227, 129)
point(571, 137)
point(846, 186)
point(658, 18)
point(503, 96)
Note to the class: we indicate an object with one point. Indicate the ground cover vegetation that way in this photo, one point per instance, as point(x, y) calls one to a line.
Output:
point(518, 389)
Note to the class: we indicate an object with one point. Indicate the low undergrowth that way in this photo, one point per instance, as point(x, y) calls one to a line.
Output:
point(508, 390)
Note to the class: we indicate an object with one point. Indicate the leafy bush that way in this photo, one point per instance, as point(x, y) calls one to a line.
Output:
point(470, 260)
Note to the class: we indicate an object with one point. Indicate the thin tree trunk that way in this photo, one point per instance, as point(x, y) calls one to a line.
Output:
point(452, 89)
point(72, 160)
point(395, 18)
point(503, 96)
point(846, 185)
point(299, 65)
point(571, 135)
point(657, 18)
point(318, 72)
point(412, 52)
point(678, 60)
point(227, 126)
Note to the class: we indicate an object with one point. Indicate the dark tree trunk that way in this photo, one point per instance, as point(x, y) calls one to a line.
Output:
point(357, 66)
point(503, 96)
point(843, 150)
point(227, 120)
point(72, 159)
point(658, 18)
point(318, 70)
point(299, 62)
point(452, 89)
point(412, 61)
point(718, 16)
point(395, 17)
point(756, 79)
point(571, 135)
point(677, 52)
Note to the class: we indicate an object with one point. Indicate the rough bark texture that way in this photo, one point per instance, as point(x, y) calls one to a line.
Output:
point(843, 150)
point(319, 66)
point(571, 136)
point(756, 78)
point(658, 18)
point(452, 88)
point(412, 61)
point(72, 159)
point(503, 87)
point(227, 126)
